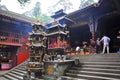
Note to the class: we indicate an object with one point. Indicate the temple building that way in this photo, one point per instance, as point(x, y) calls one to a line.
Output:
point(13, 38)
point(95, 21)
point(57, 55)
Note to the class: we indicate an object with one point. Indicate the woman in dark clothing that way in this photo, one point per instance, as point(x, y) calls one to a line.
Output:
point(98, 46)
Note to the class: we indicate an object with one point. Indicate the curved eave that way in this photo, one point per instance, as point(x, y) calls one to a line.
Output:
point(55, 33)
point(56, 25)
point(34, 33)
point(17, 16)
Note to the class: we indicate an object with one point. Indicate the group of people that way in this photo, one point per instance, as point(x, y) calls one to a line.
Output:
point(104, 40)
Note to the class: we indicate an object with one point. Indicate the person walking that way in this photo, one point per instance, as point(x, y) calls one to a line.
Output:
point(105, 41)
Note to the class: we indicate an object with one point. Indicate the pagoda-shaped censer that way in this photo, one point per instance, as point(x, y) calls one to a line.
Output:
point(57, 48)
point(37, 46)
point(57, 41)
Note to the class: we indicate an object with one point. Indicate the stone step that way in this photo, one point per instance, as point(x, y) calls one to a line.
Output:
point(90, 77)
point(101, 63)
point(15, 75)
point(10, 77)
point(99, 66)
point(24, 65)
point(20, 68)
point(94, 56)
point(3, 78)
point(20, 71)
point(101, 60)
point(100, 55)
point(96, 69)
point(94, 73)
point(71, 78)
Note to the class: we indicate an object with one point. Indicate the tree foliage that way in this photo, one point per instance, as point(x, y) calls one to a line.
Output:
point(84, 3)
point(46, 19)
point(37, 10)
point(23, 2)
point(38, 14)
point(66, 5)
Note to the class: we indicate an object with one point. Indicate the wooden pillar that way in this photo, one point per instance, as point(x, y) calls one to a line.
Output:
point(93, 26)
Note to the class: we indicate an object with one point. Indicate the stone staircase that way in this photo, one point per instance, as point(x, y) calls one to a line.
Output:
point(94, 67)
point(16, 73)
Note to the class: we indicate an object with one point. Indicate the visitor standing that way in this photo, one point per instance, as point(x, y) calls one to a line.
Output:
point(84, 46)
point(105, 41)
point(92, 46)
point(77, 49)
point(98, 45)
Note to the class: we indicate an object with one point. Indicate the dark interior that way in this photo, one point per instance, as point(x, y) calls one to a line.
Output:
point(79, 34)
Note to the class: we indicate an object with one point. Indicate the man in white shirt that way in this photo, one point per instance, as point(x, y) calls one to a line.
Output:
point(77, 49)
point(106, 41)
